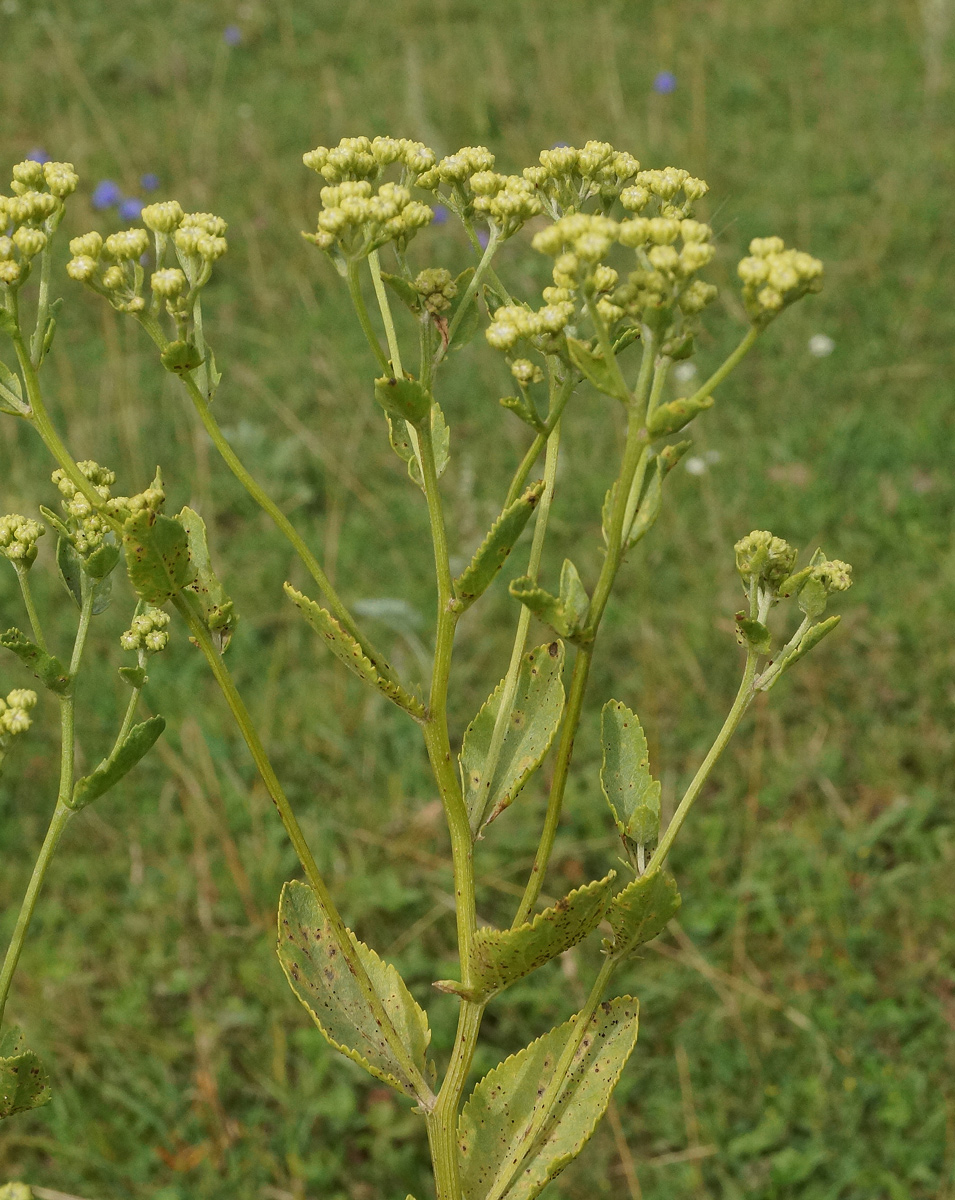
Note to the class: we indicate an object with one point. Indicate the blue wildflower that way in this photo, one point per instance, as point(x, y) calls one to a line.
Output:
point(664, 83)
point(440, 214)
point(483, 238)
point(106, 194)
point(149, 182)
point(232, 35)
point(130, 209)
point(560, 145)
point(37, 155)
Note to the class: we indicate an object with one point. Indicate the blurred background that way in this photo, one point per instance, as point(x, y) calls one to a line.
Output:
point(797, 1024)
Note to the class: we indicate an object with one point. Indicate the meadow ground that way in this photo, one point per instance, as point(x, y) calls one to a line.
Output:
point(798, 1025)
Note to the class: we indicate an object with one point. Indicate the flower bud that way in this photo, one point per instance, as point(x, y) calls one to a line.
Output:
point(88, 245)
point(60, 178)
point(162, 217)
point(83, 268)
point(29, 173)
point(126, 245)
point(763, 558)
point(9, 272)
point(29, 241)
point(18, 538)
point(167, 283)
point(113, 278)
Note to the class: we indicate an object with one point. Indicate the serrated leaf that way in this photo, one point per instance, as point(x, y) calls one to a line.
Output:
point(523, 407)
point(101, 562)
point(400, 439)
point(49, 670)
point(497, 1158)
point(405, 398)
point(441, 444)
point(320, 977)
point(672, 416)
point(501, 956)
point(642, 910)
point(812, 637)
point(344, 647)
point(494, 550)
point(137, 743)
point(632, 792)
point(594, 367)
point(533, 722)
point(24, 1083)
point(157, 556)
point(543, 605)
point(753, 633)
point(812, 598)
point(218, 610)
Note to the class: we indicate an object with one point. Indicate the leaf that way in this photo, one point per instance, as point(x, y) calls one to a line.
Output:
point(320, 977)
point(405, 398)
point(470, 324)
point(11, 393)
point(566, 613)
point(134, 676)
point(72, 568)
point(344, 646)
point(812, 637)
point(441, 443)
point(180, 357)
point(8, 322)
point(632, 793)
point(101, 562)
point(595, 368)
point(502, 956)
point(137, 743)
point(753, 633)
point(670, 417)
point(642, 910)
point(606, 510)
point(400, 439)
point(496, 1156)
point(523, 407)
point(157, 556)
point(218, 610)
point(68, 565)
point(24, 1083)
point(49, 670)
point(494, 550)
point(406, 292)
point(531, 726)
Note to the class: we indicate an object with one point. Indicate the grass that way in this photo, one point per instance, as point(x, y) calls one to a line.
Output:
point(797, 1028)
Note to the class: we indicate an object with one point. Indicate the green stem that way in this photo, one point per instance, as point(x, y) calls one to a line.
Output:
point(61, 815)
point(523, 623)
point(606, 346)
point(262, 498)
point(43, 303)
point(297, 837)
point(443, 1119)
point(743, 699)
point(364, 320)
point(634, 450)
point(545, 1104)
point(470, 296)
point(127, 723)
point(564, 393)
point(391, 336)
point(747, 343)
point(39, 418)
point(34, 616)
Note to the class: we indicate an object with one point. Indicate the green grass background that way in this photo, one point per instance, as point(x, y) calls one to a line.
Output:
point(797, 1031)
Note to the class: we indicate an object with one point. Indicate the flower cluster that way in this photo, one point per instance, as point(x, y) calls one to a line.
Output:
point(18, 539)
point(114, 266)
point(474, 187)
point(147, 632)
point(363, 158)
point(31, 214)
point(543, 328)
point(86, 527)
point(437, 289)
point(670, 192)
point(764, 559)
point(773, 277)
point(355, 219)
point(15, 713)
point(567, 177)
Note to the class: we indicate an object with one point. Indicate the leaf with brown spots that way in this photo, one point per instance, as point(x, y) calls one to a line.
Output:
point(345, 647)
point(533, 722)
point(501, 956)
point(24, 1083)
point(632, 793)
point(157, 556)
point(498, 1157)
point(320, 977)
point(492, 553)
point(642, 910)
